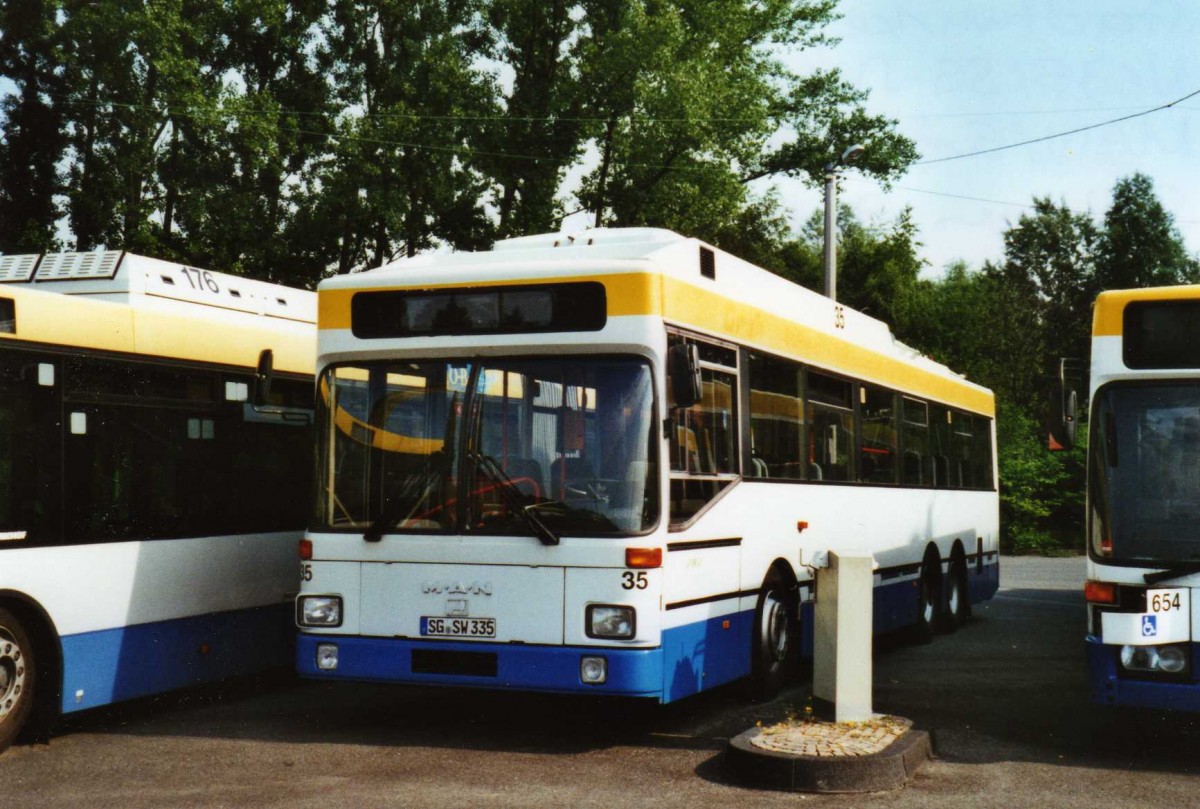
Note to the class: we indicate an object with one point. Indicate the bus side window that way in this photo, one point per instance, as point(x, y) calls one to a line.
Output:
point(30, 439)
point(704, 447)
point(914, 438)
point(830, 412)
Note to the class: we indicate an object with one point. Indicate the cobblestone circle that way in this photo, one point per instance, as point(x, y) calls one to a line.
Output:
point(812, 738)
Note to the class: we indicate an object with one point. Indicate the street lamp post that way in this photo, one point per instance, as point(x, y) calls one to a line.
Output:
point(831, 178)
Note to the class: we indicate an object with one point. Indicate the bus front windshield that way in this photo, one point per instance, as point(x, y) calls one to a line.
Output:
point(1145, 473)
point(544, 447)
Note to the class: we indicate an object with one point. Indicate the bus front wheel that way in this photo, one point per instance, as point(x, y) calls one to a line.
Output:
point(775, 623)
point(928, 600)
point(16, 678)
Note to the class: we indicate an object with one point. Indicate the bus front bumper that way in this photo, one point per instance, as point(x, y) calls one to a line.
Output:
point(1109, 687)
point(628, 672)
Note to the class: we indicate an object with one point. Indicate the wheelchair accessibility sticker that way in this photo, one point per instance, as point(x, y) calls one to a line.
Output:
point(1167, 619)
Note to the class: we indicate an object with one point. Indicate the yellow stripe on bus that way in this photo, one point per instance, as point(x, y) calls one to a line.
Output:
point(627, 293)
point(1108, 319)
point(63, 320)
point(706, 311)
point(683, 304)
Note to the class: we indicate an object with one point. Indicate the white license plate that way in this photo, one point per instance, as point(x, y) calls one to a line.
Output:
point(1159, 602)
point(438, 627)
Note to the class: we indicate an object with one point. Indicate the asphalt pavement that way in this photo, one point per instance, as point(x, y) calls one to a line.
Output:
point(1005, 698)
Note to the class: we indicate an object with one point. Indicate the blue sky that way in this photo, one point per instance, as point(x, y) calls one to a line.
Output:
point(964, 75)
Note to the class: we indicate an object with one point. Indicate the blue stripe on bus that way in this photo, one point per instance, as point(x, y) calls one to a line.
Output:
point(631, 672)
point(133, 661)
point(1109, 688)
point(692, 658)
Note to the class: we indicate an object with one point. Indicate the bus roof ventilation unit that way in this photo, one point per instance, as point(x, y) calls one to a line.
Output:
point(18, 269)
point(92, 266)
point(708, 263)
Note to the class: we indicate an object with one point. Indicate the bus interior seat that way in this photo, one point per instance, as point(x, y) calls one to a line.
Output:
point(526, 473)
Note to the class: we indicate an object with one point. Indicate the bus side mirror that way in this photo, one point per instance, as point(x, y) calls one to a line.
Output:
point(263, 377)
point(1062, 436)
point(1060, 403)
point(683, 371)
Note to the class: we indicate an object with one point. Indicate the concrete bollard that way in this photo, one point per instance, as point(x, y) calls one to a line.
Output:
point(843, 671)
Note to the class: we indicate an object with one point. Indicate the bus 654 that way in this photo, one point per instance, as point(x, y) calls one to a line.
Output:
point(1143, 501)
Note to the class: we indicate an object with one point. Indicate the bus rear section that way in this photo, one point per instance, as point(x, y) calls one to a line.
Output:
point(1144, 500)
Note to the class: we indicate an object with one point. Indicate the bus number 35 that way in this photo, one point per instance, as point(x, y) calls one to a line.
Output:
point(630, 580)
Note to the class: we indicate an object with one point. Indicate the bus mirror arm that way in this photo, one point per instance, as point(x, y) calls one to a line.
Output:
point(1061, 413)
point(263, 377)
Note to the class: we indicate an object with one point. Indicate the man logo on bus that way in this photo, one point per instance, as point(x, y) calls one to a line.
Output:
point(1149, 626)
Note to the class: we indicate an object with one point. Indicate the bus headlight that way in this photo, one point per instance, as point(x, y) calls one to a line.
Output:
point(1165, 659)
point(320, 611)
point(1172, 659)
point(611, 621)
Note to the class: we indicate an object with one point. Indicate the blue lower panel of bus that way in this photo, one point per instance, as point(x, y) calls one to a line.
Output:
point(133, 661)
point(1110, 688)
point(692, 658)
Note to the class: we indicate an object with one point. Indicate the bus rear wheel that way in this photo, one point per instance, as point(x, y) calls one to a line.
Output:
point(958, 599)
point(16, 678)
point(775, 647)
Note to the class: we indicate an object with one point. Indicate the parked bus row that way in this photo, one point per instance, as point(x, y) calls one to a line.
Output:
point(598, 466)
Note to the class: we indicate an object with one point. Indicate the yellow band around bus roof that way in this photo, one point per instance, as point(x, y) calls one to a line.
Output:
point(690, 306)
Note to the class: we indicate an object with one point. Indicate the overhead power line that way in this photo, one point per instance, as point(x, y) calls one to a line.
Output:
point(1059, 134)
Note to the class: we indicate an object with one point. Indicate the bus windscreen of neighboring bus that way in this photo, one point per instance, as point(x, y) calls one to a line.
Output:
point(1145, 474)
point(507, 446)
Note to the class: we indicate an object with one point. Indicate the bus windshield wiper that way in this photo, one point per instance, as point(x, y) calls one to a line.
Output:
point(1173, 572)
point(513, 497)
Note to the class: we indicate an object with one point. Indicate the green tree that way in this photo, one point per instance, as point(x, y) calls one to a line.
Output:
point(529, 146)
point(1140, 246)
point(1053, 252)
point(32, 135)
point(242, 155)
point(402, 177)
point(877, 263)
point(691, 103)
point(1041, 493)
point(948, 319)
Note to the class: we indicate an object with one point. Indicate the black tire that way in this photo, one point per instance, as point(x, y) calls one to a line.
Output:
point(775, 639)
point(929, 600)
point(17, 678)
point(958, 598)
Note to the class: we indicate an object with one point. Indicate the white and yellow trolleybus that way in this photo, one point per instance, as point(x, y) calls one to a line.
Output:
point(602, 464)
point(1143, 526)
point(151, 485)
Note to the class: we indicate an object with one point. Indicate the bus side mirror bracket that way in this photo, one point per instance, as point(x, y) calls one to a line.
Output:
point(1062, 412)
point(264, 376)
